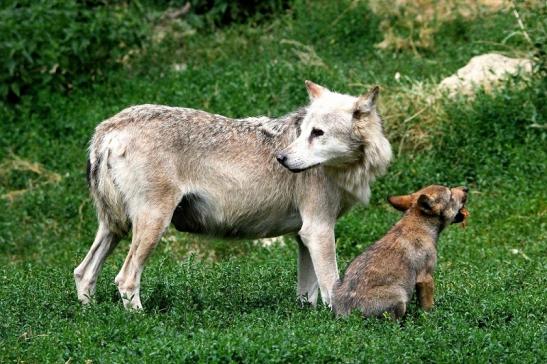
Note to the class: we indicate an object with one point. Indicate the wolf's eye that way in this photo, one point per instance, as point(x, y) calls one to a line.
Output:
point(316, 132)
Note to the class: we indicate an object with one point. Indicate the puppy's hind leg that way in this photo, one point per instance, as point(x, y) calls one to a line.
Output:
point(393, 310)
point(385, 301)
point(85, 275)
point(308, 287)
point(398, 310)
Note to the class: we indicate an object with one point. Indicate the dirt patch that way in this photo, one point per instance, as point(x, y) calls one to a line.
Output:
point(18, 176)
point(411, 24)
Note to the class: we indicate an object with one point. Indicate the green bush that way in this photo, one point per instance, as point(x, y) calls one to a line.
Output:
point(223, 12)
point(60, 44)
point(485, 138)
point(214, 14)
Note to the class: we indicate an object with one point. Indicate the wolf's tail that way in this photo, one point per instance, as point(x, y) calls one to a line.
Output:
point(107, 196)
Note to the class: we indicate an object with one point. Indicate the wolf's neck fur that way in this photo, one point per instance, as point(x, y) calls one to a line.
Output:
point(353, 179)
point(373, 162)
point(281, 130)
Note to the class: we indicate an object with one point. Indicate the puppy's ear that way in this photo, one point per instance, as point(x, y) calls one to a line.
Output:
point(367, 102)
point(314, 90)
point(401, 203)
point(425, 203)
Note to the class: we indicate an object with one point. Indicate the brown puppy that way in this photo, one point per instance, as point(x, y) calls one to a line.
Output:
point(383, 278)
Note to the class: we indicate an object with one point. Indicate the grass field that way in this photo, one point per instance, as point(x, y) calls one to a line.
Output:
point(217, 301)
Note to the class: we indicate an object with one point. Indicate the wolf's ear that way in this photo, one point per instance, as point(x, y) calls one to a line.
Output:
point(425, 203)
point(314, 90)
point(367, 101)
point(401, 203)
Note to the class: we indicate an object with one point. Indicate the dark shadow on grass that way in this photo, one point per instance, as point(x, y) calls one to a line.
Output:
point(164, 299)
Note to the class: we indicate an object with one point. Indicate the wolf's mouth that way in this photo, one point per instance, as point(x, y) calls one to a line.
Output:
point(461, 216)
point(298, 170)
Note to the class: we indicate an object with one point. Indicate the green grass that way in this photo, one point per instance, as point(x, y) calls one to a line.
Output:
point(235, 301)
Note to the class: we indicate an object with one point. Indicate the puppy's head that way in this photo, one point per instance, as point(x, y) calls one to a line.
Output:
point(446, 203)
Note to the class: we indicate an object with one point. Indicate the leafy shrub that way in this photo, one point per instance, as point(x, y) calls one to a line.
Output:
point(218, 13)
point(223, 12)
point(483, 141)
point(59, 44)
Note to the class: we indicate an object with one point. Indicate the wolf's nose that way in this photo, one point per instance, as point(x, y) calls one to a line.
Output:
point(281, 158)
point(465, 189)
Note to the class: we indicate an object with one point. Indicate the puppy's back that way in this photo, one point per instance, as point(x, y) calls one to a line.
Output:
point(350, 292)
point(377, 281)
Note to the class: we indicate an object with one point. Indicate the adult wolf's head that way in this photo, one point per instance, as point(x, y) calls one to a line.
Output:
point(336, 131)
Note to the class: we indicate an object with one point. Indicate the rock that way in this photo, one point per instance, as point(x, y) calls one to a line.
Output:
point(485, 70)
point(265, 242)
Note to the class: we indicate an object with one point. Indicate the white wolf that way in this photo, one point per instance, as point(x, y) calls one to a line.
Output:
point(151, 165)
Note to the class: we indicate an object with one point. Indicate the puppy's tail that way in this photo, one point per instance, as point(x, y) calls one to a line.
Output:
point(338, 303)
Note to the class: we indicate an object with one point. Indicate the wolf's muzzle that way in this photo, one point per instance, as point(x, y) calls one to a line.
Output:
point(281, 158)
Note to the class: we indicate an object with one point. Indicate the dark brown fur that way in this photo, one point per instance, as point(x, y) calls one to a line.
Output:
point(383, 278)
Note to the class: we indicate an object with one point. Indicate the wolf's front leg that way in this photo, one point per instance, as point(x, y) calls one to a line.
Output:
point(320, 243)
point(307, 280)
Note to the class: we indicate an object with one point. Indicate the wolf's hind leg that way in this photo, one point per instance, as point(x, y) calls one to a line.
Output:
point(148, 227)
point(85, 275)
point(307, 280)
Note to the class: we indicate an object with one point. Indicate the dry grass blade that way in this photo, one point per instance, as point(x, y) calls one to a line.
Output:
point(305, 53)
point(412, 24)
point(17, 164)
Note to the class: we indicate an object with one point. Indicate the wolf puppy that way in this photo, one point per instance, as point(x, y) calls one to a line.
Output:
point(153, 165)
point(383, 278)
